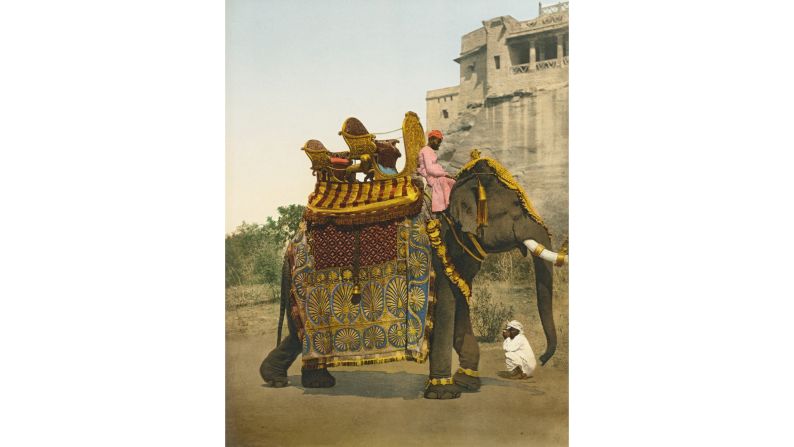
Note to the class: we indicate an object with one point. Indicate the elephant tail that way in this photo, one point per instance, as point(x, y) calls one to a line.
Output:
point(286, 273)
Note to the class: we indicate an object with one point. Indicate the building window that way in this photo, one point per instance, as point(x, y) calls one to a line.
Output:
point(496, 61)
point(445, 113)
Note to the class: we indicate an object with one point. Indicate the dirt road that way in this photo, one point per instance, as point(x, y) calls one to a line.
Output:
point(382, 405)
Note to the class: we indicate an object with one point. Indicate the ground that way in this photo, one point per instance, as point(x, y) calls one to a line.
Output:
point(382, 405)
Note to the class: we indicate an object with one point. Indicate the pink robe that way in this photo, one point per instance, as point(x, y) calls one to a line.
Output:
point(435, 174)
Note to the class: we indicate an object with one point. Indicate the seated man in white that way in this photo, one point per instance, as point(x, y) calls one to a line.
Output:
point(519, 358)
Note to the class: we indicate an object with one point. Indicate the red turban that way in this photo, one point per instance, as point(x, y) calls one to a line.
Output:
point(435, 133)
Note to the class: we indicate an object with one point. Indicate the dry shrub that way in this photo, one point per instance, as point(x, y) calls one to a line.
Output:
point(508, 266)
point(249, 295)
point(488, 318)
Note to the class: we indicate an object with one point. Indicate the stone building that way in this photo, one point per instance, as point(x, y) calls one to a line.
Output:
point(512, 103)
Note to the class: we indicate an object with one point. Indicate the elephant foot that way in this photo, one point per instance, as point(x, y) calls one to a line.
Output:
point(442, 392)
point(467, 382)
point(317, 378)
point(273, 377)
point(278, 382)
point(442, 389)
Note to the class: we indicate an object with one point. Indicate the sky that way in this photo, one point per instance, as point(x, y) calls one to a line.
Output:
point(296, 69)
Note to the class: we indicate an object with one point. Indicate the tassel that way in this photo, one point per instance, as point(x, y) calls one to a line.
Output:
point(482, 205)
point(356, 296)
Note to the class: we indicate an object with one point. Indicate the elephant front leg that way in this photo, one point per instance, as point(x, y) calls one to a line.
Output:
point(467, 376)
point(441, 385)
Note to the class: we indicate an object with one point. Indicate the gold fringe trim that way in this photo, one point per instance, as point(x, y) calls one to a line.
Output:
point(429, 316)
point(507, 179)
point(444, 381)
point(317, 363)
point(434, 233)
point(469, 372)
point(365, 217)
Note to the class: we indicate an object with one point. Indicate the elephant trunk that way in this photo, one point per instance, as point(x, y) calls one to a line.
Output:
point(544, 281)
point(544, 253)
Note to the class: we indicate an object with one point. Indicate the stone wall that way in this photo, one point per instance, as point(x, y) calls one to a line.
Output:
point(472, 40)
point(528, 133)
point(516, 113)
point(473, 77)
point(437, 102)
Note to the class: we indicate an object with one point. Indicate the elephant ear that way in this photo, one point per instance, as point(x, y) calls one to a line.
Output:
point(463, 207)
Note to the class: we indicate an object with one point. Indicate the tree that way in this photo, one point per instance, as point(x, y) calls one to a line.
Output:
point(289, 218)
point(254, 251)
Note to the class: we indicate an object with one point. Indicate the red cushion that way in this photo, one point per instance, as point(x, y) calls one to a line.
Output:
point(340, 161)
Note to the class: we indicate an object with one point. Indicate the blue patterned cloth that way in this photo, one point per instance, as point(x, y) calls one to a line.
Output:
point(390, 323)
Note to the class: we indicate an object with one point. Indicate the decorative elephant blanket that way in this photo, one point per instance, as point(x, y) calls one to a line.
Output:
point(393, 318)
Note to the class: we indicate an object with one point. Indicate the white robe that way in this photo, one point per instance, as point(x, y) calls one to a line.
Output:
point(518, 352)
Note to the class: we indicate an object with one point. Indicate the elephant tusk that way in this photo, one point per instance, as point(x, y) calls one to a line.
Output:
point(544, 253)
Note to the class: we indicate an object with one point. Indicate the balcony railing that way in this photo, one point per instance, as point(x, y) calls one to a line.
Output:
point(553, 9)
point(544, 65)
point(523, 68)
point(541, 65)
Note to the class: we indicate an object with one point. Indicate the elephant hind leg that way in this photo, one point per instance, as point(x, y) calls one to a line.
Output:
point(274, 367)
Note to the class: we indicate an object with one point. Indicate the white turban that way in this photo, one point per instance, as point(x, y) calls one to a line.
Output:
point(516, 325)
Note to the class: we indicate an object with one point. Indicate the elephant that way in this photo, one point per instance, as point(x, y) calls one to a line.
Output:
point(511, 223)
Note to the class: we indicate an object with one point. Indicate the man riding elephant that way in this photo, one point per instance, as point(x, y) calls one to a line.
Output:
point(434, 174)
